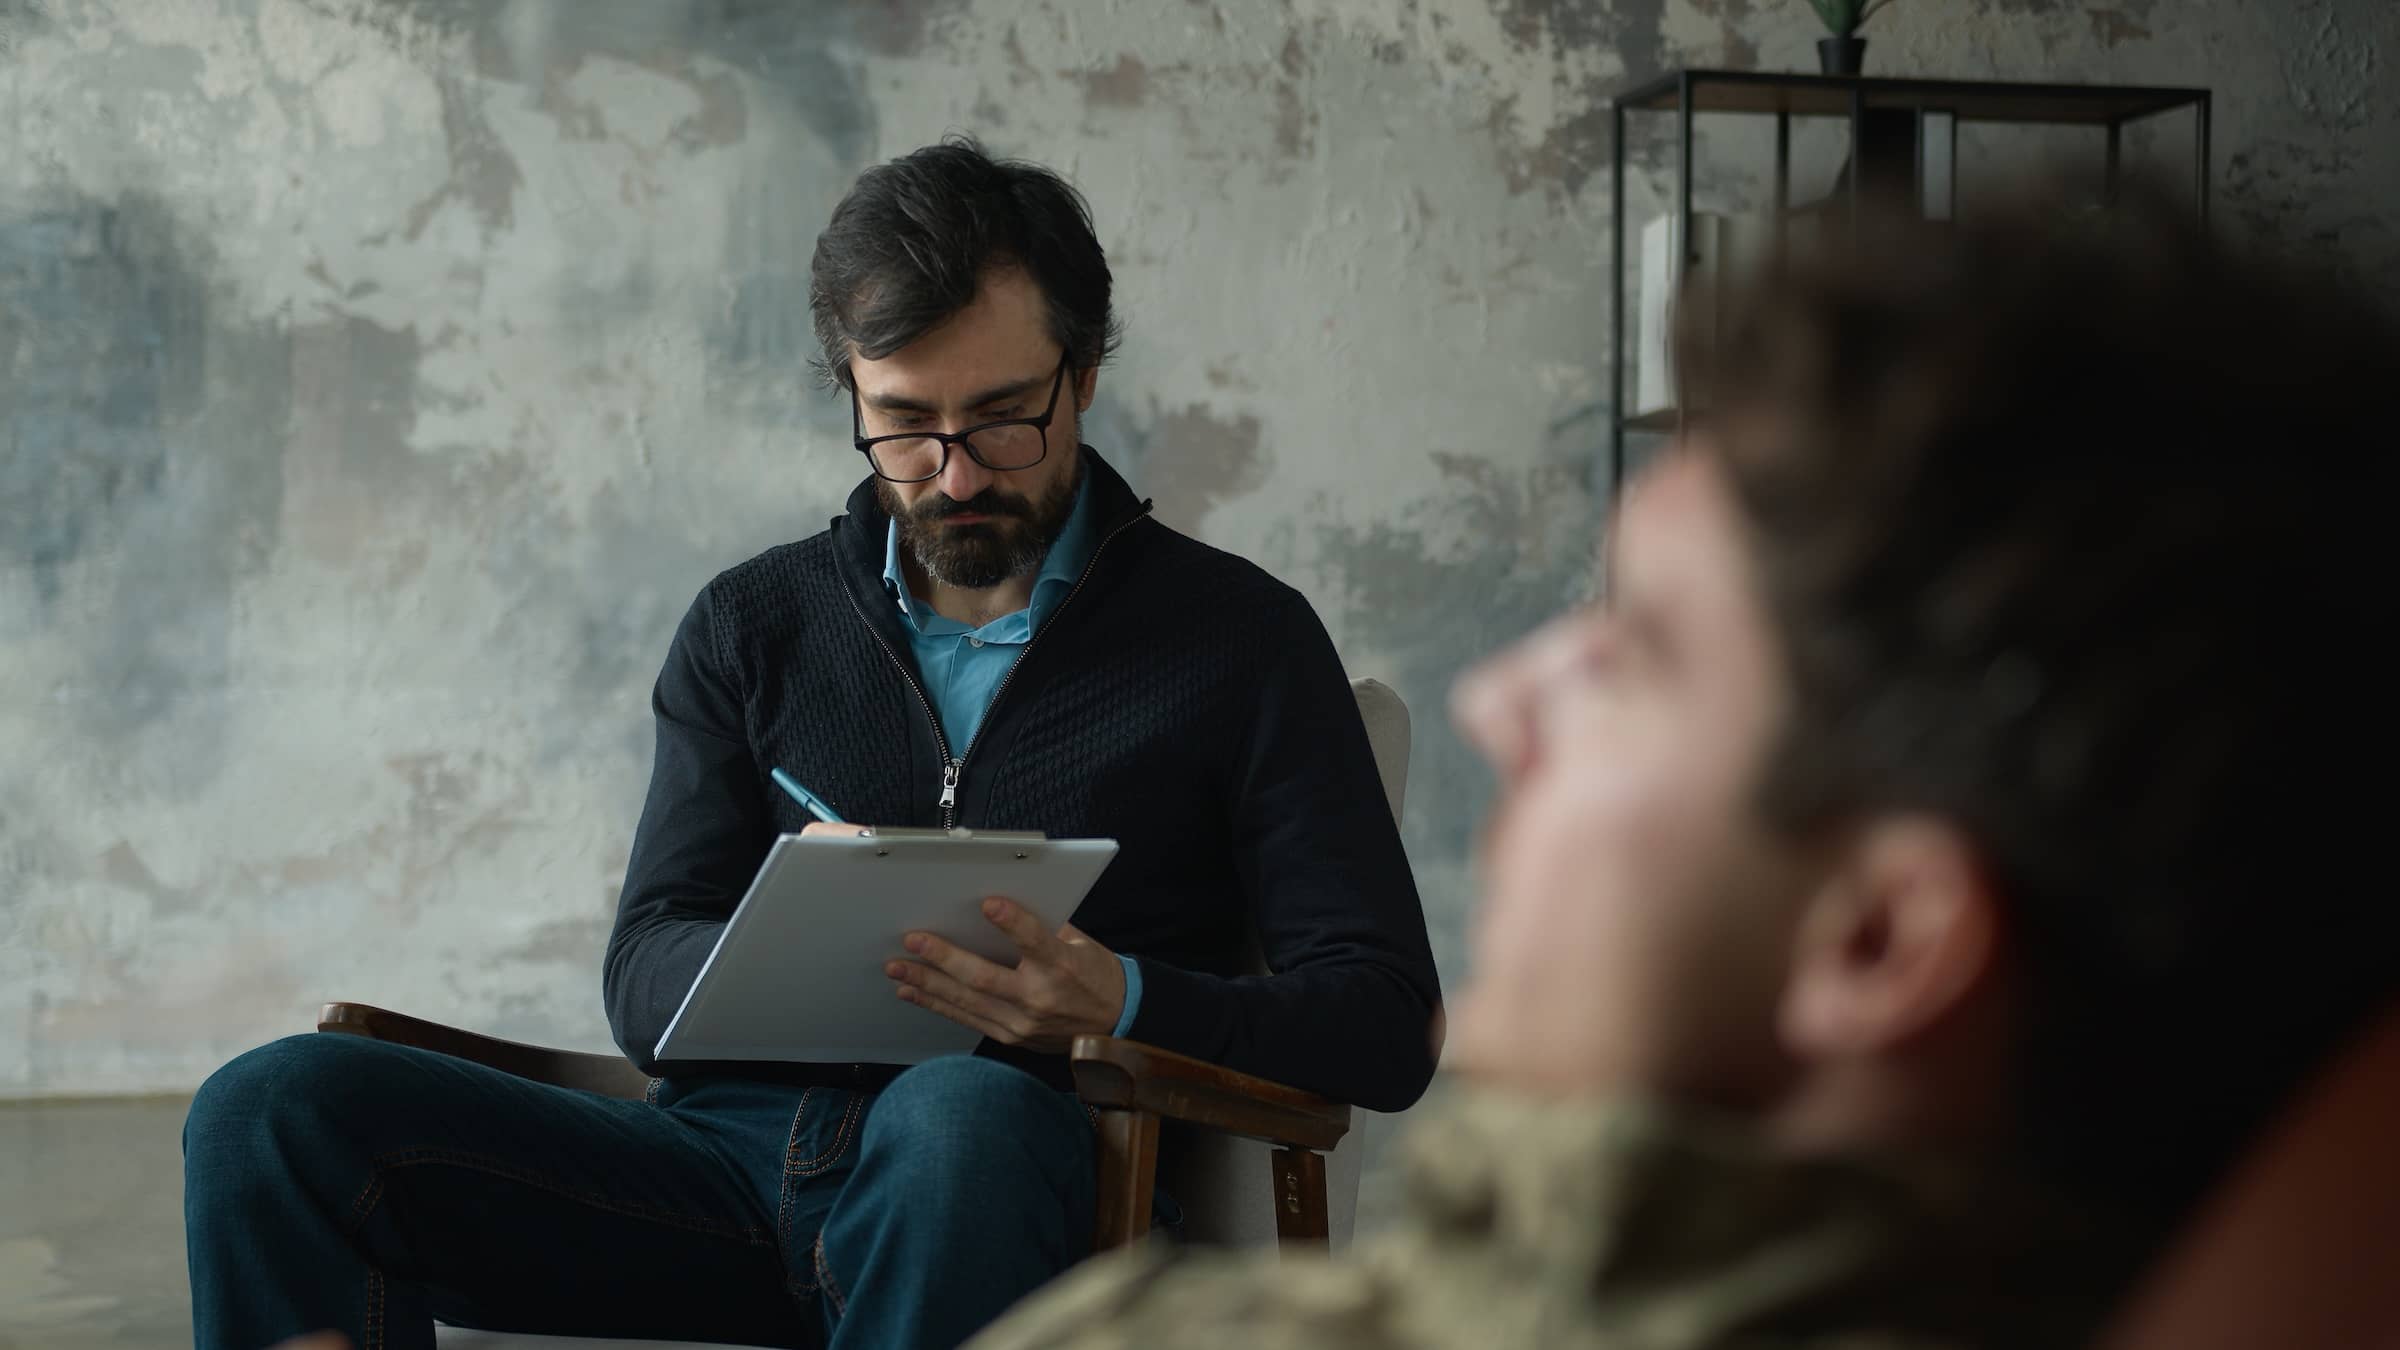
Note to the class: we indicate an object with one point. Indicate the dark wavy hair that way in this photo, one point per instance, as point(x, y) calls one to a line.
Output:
point(913, 240)
point(2074, 531)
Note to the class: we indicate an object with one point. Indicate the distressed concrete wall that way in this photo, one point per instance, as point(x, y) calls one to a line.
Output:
point(383, 378)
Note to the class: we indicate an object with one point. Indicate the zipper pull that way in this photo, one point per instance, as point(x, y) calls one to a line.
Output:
point(950, 784)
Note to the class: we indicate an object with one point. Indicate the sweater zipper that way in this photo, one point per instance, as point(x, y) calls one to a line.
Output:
point(953, 769)
point(940, 742)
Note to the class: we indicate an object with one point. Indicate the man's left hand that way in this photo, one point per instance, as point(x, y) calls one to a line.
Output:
point(1064, 984)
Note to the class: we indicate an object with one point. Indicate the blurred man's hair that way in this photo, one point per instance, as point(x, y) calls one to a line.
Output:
point(913, 240)
point(2068, 528)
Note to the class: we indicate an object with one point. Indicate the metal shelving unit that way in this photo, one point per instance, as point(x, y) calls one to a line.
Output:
point(1688, 93)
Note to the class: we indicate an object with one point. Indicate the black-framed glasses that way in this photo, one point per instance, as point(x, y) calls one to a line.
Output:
point(918, 456)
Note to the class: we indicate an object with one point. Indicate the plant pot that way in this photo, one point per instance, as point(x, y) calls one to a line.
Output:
point(1841, 55)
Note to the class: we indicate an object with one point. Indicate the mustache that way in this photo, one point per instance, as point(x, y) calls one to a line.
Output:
point(988, 502)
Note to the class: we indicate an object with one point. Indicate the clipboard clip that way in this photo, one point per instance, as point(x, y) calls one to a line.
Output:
point(961, 832)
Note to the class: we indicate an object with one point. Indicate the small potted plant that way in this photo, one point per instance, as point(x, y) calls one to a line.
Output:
point(1845, 51)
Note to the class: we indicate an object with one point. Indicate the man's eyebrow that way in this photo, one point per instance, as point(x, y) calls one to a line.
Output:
point(897, 403)
point(1014, 389)
point(996, 394)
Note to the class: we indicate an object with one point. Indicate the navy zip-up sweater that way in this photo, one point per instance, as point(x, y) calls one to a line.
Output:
point(1180, 701)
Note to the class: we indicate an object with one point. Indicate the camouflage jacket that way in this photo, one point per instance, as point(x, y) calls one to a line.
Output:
point(1622, 1227)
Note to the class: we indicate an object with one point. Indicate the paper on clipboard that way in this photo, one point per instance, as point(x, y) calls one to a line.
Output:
point(797, 974)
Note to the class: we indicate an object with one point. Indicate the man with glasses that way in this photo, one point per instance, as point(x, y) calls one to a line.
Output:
point(996, 634)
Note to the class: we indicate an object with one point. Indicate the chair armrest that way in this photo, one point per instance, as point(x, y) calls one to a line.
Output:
point(1130, 1076)
point(607, 1075)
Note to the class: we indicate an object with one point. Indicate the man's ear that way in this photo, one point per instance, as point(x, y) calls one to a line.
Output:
point(1087, 382)
point(1902, 932)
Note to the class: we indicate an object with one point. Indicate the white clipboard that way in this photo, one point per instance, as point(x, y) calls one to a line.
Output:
point(797, 975)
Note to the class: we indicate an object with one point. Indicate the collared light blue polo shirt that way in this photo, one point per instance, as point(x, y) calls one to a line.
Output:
point(962, 667)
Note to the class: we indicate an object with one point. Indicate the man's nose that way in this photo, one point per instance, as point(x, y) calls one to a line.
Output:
point(1497, 704)
point(962, 477)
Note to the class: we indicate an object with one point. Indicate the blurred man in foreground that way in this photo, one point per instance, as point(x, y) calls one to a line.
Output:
point(1925, 874)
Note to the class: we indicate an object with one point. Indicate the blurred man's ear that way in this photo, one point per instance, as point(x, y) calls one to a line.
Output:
point(1901, 937)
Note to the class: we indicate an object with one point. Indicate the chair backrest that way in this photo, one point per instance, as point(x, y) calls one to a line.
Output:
point(1222, 1183)
point(2296, 1248)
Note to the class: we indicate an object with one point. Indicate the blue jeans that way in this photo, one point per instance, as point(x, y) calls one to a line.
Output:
point(337, 1182)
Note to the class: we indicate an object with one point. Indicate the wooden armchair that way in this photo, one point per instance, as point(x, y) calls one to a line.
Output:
point(1131, 1087)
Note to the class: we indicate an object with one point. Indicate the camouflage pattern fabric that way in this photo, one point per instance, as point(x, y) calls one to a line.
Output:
point(1623, 1226)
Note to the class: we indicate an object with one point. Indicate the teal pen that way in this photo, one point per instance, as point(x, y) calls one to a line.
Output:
point(814, 804)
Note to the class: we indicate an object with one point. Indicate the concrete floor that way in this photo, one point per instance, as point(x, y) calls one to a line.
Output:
point(91, 1225)
point(91, 1233)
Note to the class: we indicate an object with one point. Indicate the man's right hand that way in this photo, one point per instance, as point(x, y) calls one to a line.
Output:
point(821, 827)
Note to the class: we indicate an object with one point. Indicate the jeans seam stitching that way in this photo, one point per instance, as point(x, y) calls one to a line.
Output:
point(825, 1282)
point(794, 1170)
point(374, 1328)
point(369, 1196)
point(791, 1140)
point(417, 1157)
point(833, 1153)
point(790, 1144)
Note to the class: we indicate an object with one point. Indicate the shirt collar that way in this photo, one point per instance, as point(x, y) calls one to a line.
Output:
point(1063, 566)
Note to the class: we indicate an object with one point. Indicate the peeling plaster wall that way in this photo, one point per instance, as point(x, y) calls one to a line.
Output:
point(383, 378)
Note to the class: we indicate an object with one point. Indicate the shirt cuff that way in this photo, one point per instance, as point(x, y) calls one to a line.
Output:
point(1133, 995)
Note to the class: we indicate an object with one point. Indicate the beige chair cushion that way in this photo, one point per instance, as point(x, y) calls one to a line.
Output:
point(1224, 1185)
